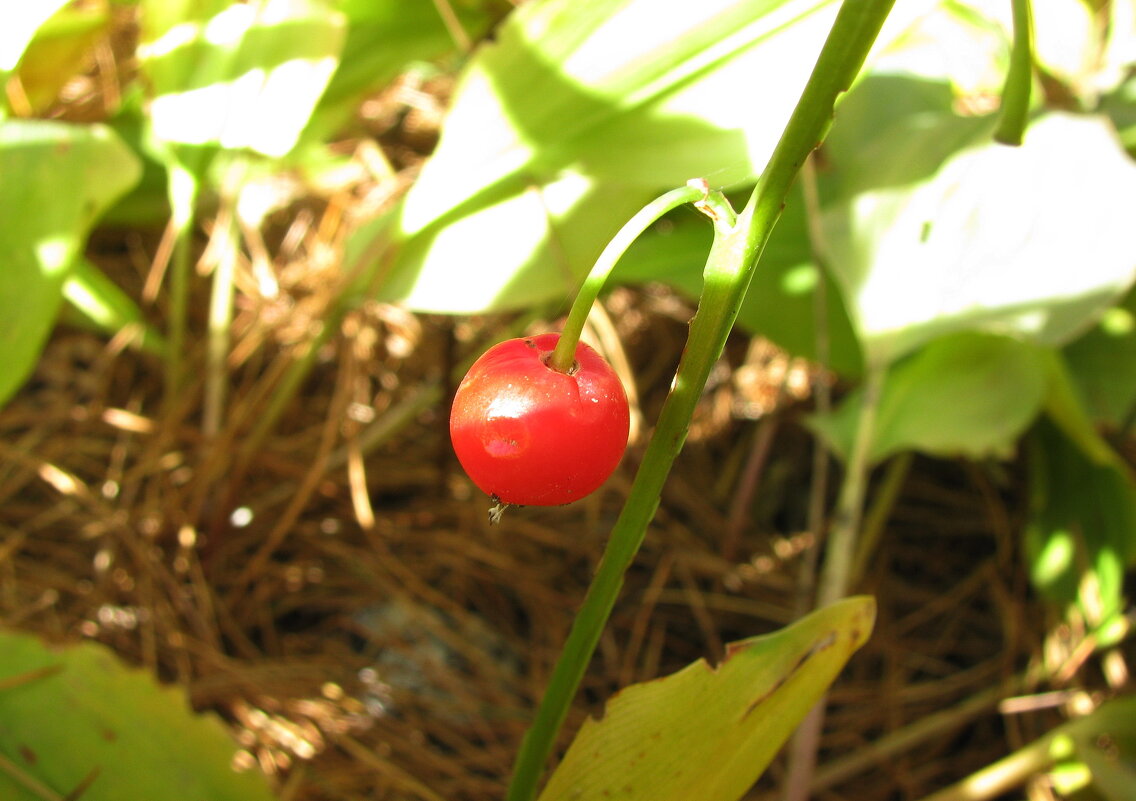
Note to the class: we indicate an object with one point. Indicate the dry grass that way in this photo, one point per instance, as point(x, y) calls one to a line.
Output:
point(349, 610)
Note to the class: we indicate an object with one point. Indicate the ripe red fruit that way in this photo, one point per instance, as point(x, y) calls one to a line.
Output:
point(532, 436)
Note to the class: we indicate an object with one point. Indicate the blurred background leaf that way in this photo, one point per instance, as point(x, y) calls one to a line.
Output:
point(77, 723)
point(967, 394)
point(1079, 540)
point(985, 243)
point(55, 180)
point(18, 25)
point(244, 76)
point(567, 123)
point(60, 49)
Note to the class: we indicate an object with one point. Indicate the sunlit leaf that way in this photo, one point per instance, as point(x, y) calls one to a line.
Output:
point(526, 248)
point(248, 76)
point(1027, 240)
point(571, 119)
point(636, 91)
point(707, 733)
point(1065, 36)
point(76, 720)
point(383, 37)
point(55, 179)
point(18, 25)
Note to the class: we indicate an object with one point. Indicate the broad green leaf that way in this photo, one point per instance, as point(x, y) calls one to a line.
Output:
point(967, 394)
point(55, 180)
point(708, 733)
point(572, 119)
point(635, 91)
point(18, 25)
point(894, 130)
point(1103, 365)
point(383, 37)
point(1102, 742)
point(1111, 760)
point(525, 249)
point(1082, 531)
point(248, 76)
point(1031, 240)
point(75, 714)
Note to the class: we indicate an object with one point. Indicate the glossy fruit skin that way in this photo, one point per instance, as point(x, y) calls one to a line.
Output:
point(532, 436)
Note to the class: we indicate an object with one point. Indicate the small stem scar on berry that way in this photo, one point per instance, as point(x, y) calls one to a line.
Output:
point(696, 191)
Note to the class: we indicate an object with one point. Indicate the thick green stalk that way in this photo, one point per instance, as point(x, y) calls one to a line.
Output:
point(707, 336)
point(1014, 114)
point(729, 270)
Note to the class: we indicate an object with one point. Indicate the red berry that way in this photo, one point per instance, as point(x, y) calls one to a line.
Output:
point(533, 436)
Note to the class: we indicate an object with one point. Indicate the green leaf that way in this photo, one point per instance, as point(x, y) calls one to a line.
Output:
point(572, 119)
point(1082, 531)
point(961, 42)
point(383, 37)
point(966, 394)
point(1103, 365)
point(76, 714)
point(709, 732)
point(517, 251)
point(621, 89)
point(894, 130)
point(1111, 759)
point(55, 180)
point(1027, 240)
point(248, 76)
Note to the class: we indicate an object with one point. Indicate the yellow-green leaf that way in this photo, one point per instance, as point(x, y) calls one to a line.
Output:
point(76, 722)
point(707, 733)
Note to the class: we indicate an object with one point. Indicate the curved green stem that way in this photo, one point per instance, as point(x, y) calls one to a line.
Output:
point(696, 191)
point(707, 336)
point(1014, 113)
point(738, 243)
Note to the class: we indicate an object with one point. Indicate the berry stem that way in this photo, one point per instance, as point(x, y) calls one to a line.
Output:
point(696, 191)
point(738, 244)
